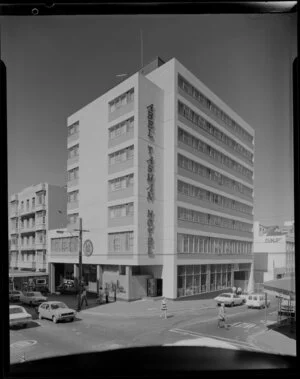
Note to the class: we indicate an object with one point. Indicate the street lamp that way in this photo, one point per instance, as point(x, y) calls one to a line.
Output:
point(80, 230)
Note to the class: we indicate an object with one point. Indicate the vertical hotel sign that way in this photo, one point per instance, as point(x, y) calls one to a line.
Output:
point(150, 177)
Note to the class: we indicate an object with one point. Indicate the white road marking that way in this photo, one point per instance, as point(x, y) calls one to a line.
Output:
point(196, 334)
point(22, 344)
point(243, 325)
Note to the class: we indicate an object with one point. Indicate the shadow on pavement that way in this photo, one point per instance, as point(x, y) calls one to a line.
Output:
point(30, 325)
point(71, 300)
point(289, 330)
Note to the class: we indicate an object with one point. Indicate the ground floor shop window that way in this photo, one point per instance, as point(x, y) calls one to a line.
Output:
point(191, 280)
point(197, 279)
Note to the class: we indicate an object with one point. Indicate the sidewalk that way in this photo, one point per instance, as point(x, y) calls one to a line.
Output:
point(146, 307)
point(277, 340)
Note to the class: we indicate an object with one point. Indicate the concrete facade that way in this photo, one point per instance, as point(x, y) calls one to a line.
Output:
point(274, 253)
point(33, 211)
point(138, 152)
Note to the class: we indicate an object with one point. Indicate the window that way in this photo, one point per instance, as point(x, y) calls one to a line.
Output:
point(73, 129)
point(202, 171)
point(120, 242)
point(73, 151)
point(188, 88)
point(73, 196)
point(122, 100)
point(72, 218)
point(121, 155)
point(121, 210)
point(207, 127)
point(73, 174)
point(121, 128)
point(203, 218)
point(199, 145)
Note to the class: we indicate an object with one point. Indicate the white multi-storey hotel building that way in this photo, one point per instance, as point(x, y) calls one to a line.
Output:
point(161, 172)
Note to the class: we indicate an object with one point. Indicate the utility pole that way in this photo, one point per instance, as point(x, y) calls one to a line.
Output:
point(80, 230)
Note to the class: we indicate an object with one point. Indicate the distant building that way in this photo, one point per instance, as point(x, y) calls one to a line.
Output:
point(161, 171)
point(32, 212)
point(274, 252)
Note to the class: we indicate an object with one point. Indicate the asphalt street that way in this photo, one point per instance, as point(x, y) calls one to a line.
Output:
point(92, 332)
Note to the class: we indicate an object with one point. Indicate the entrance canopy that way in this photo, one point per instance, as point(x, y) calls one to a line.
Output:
point(284, 287)
point(24, 274)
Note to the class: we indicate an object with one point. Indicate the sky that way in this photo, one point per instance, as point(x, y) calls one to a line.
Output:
point(57, 65)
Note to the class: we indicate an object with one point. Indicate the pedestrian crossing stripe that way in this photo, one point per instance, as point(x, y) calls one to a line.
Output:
point(243, 325)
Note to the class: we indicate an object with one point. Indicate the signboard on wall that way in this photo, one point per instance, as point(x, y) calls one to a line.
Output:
point(88, 248)
point(150, 122)
point(150, 228)
point(150, 178)
point(273, 239)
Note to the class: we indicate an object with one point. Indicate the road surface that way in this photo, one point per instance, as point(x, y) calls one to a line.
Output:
point(92, 332)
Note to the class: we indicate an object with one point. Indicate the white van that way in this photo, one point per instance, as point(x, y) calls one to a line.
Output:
point(257, 300)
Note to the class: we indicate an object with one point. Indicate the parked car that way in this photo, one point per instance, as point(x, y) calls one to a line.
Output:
point(14, 295)
point(257, 300)
point(66, 289)
point(56, 311)
point(32, 298)
point(18, 316)
point(230, 299)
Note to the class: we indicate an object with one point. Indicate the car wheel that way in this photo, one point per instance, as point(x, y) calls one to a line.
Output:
point(24, 325)
point(54, 319)
point(30, 303)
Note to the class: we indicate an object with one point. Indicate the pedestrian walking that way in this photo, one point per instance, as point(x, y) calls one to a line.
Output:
point(106, 295)
point(84, 296)
point(164, 308)
point(221, 316)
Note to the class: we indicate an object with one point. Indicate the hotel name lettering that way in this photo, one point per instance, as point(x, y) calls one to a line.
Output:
point(150, 174)
point(150, 227)
point(150, 177)
point(150, 120)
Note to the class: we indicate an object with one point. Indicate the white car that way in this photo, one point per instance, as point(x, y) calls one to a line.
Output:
point(230, 299)
point(56, 311)
point(257, 300)
point(14, 295)
point(32, 298)
point(18, 316)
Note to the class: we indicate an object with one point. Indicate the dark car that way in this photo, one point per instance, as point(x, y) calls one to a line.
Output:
point(66, 289)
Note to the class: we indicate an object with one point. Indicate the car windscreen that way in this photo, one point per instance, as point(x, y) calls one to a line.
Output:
point(58, 305)
point(37, 294)
point(15, 310)
point(225, 295)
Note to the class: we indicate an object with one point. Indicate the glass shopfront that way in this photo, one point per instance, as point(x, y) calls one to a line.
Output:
point(197, 279)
